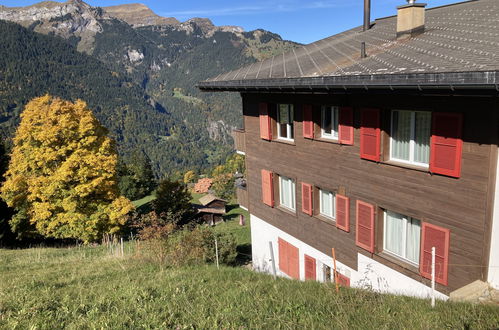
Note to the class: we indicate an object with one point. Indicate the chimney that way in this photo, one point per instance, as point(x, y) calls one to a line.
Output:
point(367, 15)
point(410, 19)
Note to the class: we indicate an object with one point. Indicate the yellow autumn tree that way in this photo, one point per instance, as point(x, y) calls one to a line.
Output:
point(61, 179)
point(190, 176)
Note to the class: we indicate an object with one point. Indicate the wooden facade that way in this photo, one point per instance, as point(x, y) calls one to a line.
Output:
point(239, 140)
point(462, 205)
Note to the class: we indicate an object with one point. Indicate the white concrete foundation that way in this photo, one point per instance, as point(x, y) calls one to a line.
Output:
point(370, 274)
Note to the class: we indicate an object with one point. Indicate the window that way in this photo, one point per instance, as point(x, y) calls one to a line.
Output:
point(326, 273)
point(327, 203)
point(402, 236)
point(410, 137)
point(287, 193)
point(329, 127)
point(285, 122)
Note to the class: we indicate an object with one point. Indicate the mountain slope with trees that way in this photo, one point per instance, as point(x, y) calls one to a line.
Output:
point(142, 86)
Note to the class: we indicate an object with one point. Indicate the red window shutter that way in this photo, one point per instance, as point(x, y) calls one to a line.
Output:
point(306, 198)
point(446, 144)
point(283, 255)
point(345, 125)
point(310, 268)
point(265, 127)
point(308, 122)
point(370, 134)
point(267, 188)
point(343, 212)
point(343, 280)
point(293, 262)
point(364, 235)
point(438, 237)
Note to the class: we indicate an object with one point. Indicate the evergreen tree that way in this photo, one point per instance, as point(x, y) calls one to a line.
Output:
point(61, 179)
point(136, 177)
point(174, 201)
point(6, 235)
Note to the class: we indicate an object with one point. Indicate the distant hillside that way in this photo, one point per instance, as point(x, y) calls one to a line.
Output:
point(164, 59)
point(32, 64)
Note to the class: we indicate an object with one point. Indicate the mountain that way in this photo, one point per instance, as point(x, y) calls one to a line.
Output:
point(137, 14)
point(164, 59)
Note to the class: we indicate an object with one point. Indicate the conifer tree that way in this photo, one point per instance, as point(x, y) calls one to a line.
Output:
point(6, 236)
point(61, 179)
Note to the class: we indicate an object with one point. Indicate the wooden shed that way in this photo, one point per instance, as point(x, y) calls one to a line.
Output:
point(211, 209)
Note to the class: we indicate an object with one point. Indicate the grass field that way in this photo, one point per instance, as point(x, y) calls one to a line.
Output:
point(85, 288)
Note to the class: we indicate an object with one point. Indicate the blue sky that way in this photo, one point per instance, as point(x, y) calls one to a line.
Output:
point(299, 20)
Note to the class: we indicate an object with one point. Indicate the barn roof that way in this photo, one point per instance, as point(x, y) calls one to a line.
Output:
point(459, 48)
point(207, 199)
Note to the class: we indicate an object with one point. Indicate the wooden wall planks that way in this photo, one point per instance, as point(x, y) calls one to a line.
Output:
point(458, 204)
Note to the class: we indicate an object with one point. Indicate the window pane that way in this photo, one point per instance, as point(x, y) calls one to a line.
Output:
point(401, 134)
point(290, 122)
point(413, 240)
point(327, 203)
point(283, 114)
point(287, 192)
point(326, 120)
point(422, 137)
point(394, 226)
point(335, 122)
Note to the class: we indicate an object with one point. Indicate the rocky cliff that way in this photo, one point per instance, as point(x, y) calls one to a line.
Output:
point(73, 18)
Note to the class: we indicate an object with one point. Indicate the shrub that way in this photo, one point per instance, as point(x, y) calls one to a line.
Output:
point(164, 243)
point(173, 197)
point(153, 230)
point(197, 246)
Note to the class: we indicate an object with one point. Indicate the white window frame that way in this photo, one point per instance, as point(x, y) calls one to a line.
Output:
point(412, 142)
point(333, 204)
point(406, 219)
point(289, 127)
point(334, 119)
point(292, 188)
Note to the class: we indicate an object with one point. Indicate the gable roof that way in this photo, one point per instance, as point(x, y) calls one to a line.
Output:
point(205, 200)
point(460, 47)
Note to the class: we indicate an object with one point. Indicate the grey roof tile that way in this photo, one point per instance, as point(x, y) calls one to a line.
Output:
point(463, 37)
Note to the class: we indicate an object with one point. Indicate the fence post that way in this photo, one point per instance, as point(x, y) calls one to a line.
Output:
point(216, 252)
point(433, 277)
point(272, 259)
point(122, 250)
point(335, 272)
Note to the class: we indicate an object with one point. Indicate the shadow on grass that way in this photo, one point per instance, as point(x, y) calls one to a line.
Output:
point(145, 208)
point(229, 217)
point(243, 255)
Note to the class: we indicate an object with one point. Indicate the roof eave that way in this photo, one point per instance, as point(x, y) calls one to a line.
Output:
point(443, 80)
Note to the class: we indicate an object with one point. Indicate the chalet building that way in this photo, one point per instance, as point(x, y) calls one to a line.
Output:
point(380, 142)
point(211, 209)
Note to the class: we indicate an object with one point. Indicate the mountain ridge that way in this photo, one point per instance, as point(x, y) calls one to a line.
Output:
point(166, 62)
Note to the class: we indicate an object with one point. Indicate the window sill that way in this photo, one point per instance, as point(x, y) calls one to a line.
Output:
point(333, 141)
point(287, 210)
point(408, 166)
point(398, 261)
point(326, 220)
point(288, 142)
